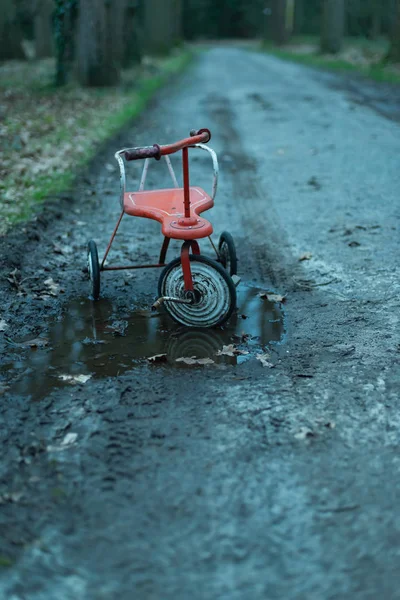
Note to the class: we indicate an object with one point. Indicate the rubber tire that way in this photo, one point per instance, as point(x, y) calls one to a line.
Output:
point(94, 272)
point(227, 239)
point(213, 265)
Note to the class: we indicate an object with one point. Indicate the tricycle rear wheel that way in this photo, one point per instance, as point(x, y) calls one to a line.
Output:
point(227, 252)
point(93, 269)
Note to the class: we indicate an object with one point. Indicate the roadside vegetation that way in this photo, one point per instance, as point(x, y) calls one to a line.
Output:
point(361, 55)
point(49, 133)
point(72, 74)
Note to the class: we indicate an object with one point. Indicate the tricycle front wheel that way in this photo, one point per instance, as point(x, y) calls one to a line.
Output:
point(214, 292)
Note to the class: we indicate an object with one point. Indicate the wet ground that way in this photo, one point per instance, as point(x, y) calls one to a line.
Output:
point(96, 339)
point(131, 478)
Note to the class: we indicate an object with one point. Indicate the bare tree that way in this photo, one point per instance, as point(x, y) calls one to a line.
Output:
point(97, 56)
point(332, 26)
point(10, 31)
point(394, 51)
point(279, 32)
point(298, 16)
point(131, 51)
point(376, 18)
point(177, 21)
point(44, 43)
point(159, 25)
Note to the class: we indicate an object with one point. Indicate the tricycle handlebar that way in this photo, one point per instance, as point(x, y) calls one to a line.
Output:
point(196, 137)
point(146, 152)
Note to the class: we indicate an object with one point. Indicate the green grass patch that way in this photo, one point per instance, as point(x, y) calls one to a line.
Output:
point(359, 55)
point(49, 134)
point(5, 562)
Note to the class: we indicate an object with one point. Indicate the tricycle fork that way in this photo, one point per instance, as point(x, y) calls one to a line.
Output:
point(187, 274)
point(185, 260)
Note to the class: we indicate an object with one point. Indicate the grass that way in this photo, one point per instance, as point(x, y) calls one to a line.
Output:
point(48, 134)
point(358, 55)
point(5, 562)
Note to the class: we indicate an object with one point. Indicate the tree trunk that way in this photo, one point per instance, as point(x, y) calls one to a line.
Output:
point(394, 51)
point(44, 44)
point(97, 57)
point(64, 19)
point(178, 21)
point(279, 31)
point(376, 19)
point(158, 26)
point(298, 17)
point(332, 27)
point(10, 32)
point(131, 43)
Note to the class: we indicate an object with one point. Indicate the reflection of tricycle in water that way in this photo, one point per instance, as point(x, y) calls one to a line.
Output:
point(196, 290)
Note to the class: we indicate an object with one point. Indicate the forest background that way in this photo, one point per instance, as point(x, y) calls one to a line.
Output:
point(73, 72)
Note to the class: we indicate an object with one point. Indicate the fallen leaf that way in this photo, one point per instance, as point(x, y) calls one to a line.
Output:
point(304, 433)
point(35, 343)
point(272, 297)
point(14, 279)
point(10, 497)
point(157, 358)
point(72, 379)
point(305, 256)
point(264, 360)
point(230, 350)
point(313, 181)
point(3, 325)
point(69, 439)
point(53, 288)
point(118, 327)
point(195, 361)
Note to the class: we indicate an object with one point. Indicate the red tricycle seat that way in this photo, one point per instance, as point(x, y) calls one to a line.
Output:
point(167, 207)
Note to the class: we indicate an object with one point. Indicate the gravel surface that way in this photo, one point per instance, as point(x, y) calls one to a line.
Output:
point(226, 481)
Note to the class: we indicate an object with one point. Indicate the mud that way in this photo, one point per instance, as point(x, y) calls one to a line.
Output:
point(97, 340)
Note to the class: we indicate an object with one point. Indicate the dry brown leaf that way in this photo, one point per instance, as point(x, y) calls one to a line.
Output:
point(195, 361)
point(230, 350)
point(264, 360)
point(305, 256)
point(35, 343)
point(69, 439)
point(72, 379)
point(304, 433)
point(11, 497)
point(157, 358)
point(52, 287)
point(272, 297)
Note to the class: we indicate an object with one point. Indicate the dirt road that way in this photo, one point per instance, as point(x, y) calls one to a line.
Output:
point(230, 480)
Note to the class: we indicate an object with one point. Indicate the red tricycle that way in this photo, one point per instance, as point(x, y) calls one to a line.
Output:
point(196, 291)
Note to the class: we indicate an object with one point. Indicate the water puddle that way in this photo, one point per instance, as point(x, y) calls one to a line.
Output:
point(94, 339)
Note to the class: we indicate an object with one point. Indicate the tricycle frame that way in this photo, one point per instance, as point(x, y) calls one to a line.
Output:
point(186, 186)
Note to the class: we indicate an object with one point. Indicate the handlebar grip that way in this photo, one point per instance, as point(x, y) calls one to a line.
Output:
point(194, 132)
point(141, 153)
